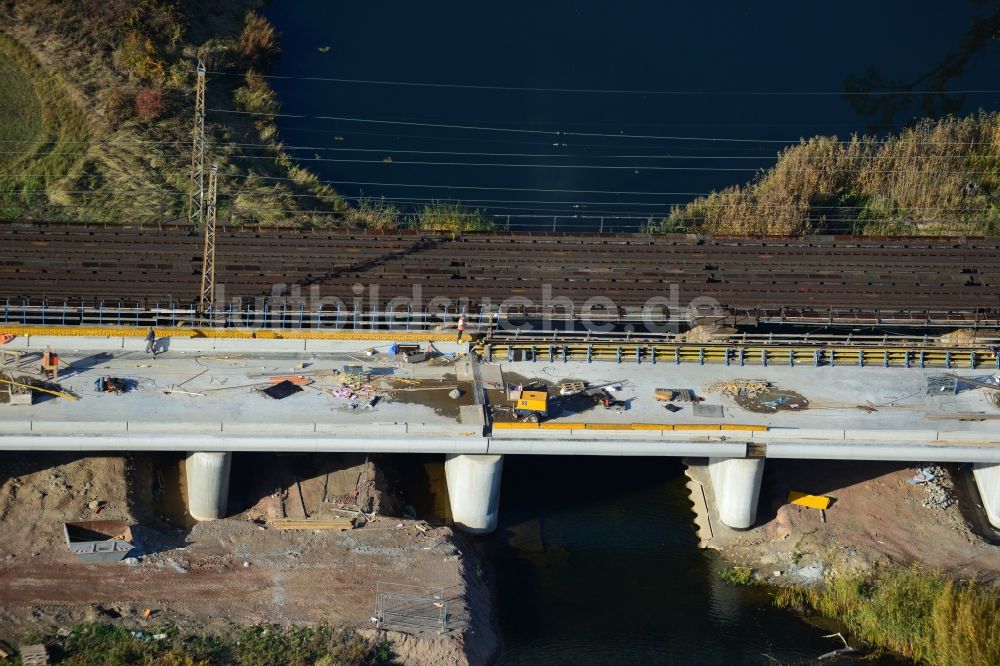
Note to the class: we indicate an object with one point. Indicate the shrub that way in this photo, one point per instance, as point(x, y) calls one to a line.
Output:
point(150, 103)
point(440, 216)
point(923, 616)
point(119, 105)
point(375, 214)
point(742, 576)
point(258, 41)
point(139, 56)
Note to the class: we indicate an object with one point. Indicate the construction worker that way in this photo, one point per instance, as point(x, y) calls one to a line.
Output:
point(151, 342)
point(461, 327)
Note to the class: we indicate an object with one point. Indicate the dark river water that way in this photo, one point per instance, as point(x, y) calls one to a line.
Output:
point(595, 560)
point(712, 91)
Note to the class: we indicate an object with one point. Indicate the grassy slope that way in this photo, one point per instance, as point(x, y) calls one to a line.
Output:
point(48, 126)
point(137, 173)
point(20, 108)
point(938, 177)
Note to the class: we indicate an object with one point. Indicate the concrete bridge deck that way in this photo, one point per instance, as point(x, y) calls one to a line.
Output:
point(858, 413)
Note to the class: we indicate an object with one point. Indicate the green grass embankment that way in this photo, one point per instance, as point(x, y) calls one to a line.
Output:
point(923, 616)
point(42, 136)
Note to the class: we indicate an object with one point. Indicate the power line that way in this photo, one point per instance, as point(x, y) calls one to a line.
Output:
point(711, 93)
point(500, 129)
point(620, 135)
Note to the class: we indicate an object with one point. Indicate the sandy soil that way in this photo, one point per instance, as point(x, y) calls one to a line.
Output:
point(208, 575)
point(876, 518)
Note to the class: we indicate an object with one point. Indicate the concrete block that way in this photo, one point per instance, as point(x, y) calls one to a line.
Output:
point(472, 415)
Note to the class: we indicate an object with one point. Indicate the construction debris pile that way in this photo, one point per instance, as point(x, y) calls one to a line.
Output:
point(937, 482)
point(733, 388)
point(355, 386)
point(759, 396)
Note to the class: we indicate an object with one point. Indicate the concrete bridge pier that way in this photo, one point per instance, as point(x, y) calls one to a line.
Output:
point(474, 491)
point(987, 478)
point(736, 485)
point(208, 484)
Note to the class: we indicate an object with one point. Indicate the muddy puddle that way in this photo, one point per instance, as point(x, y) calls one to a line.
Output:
point(434, 394)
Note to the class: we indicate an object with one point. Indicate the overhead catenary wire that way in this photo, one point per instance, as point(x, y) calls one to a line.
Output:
point(589, 155)
point(558, 133)
point(612, 91)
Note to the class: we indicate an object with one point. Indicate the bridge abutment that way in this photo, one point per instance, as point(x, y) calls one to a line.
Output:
point(736, 485)
point(987, 478)
point(208, 484)
point(474, 491)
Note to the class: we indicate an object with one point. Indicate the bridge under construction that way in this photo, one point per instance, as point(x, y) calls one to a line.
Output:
point(885, 316)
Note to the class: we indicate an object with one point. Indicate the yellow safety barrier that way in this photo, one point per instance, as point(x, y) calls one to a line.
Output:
point(514, 425)
point(226, 333)
point(754, 428)
point(561, 426)
point(697, 426)
point(811, 501)
point(652, 426)
point(608, 426)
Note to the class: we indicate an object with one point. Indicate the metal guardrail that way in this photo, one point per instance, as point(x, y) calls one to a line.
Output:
point(820, 354)
point(280, 312)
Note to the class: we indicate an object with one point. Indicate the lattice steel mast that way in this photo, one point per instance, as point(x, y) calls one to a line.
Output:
point(206, 302)
point(196, 186)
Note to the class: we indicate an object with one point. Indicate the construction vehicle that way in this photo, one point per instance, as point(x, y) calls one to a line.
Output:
point(533, 405)
point(530, 404)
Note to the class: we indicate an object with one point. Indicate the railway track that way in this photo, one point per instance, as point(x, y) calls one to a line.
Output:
point(833, 280)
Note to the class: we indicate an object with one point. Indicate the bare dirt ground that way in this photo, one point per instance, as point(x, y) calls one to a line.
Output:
point(876, 518)
point(206, 576)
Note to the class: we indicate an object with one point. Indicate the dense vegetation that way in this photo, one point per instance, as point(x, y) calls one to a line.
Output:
point(262, 645)
point(938, 177)
point(101, 93)
point(923, 616)
point(100, 98)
